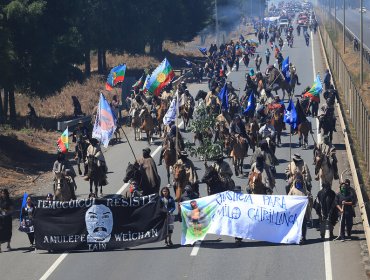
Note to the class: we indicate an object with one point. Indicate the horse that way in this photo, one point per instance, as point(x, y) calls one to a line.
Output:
point(81, 153)
point(137, 176)
point(239, 150)
point(214, 183)
point(323, 168)
point(169, 155)
point(252, 131)
point(255, 183)
point(303, 129)
point(201, 95)
point(96, 175)
point(327, 124)
point(276, 81)
point(147, 124)
point(162, 110)
point(63, 187)
point(136, 123)
point(277, 121)
point(184, 111)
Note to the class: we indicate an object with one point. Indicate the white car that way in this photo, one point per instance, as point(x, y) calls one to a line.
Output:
point(283, 22)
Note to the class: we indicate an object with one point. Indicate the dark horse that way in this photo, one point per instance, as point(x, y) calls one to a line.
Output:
point(136, 174)
point(327, 124)
point(81, 153)
point(276, 81)
point(214, 182)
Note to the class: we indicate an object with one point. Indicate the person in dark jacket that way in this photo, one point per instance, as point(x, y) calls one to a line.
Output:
point(327, 78)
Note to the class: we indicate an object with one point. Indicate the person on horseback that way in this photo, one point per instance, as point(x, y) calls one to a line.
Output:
point(150, 169)
point(326, 149)
point(269, 158)
point(293, 72)
point(191, 176)
point(211, 98)
point(187, 100)
point(237, 127)
point(171, 136)
point(299, 188)
point(327, 114)
point(331, 94)
point(262, 170)
point(267, 130)
point(81, 137)
point(95, 154)
point(223, 168)
point(61, 165)
point(297, 165)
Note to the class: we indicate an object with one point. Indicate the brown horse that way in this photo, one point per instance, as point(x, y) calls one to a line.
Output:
point(162, 110)
point(255, 183)
point(252, 130)
point(303, 129)
point(184, 111)
point(169, 155)
point(276, 81)
point(238, 146)
point(136, 123)
point(277, 121)
point(147, 124)
point(63, 187)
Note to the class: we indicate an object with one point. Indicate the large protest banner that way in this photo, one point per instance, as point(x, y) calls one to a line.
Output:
point(99, 224)
point(272, 218)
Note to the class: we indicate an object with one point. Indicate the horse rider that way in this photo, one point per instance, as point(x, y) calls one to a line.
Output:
point(326, 149)
point(264, 150)
point(345, 200)
point(261, 167)
point(298, 166)
point(331, 94)
point(325, 207)
point(61, 165)
point(299, 188)
point(171, 135)
point(267, 131)
point(94, 153)
point(184, 163)
point(237, 127)
point(187, 100)
point(150, 169)
point(136, 105)
point(223, 169)
point(212, 98)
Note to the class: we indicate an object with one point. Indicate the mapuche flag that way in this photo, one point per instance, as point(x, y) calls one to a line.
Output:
point(62, 142)
point(116, 75)
point(160, 77)
point(314, 92)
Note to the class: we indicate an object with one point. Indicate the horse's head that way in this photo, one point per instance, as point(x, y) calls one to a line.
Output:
point(131, 172)
point(209, 174)
point(200, 95)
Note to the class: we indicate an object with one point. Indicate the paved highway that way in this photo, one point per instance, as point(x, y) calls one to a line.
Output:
point(216, 257)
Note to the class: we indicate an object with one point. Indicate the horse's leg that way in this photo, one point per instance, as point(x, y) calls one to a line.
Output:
point(79, 168)
point(96, 184)
point(235, 163)
point(241, 161)
point(168, 173)
point(299, 139)
point(306, 140)
point(91, 183)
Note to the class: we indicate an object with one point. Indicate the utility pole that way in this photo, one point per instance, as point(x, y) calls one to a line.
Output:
point(335, 17)
point(361, 43)
point(344, 26)
point(216, 13)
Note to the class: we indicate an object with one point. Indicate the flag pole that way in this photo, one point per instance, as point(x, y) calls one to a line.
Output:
point(128, 141)
point(177, 124)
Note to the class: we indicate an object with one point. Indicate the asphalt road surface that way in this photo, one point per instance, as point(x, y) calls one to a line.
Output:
point(216, 257)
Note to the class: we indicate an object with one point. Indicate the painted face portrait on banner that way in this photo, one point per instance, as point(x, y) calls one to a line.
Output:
point(99, 223)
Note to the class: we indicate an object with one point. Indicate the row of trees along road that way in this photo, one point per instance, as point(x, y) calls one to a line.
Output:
point(43, 41)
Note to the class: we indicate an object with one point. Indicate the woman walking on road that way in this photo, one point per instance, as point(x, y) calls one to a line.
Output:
point(6, 209)
point(27, 220)
point(170, 205)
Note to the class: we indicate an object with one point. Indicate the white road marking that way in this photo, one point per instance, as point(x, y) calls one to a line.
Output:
point(54, 266)
point(327, 254)
point(196, 248)
point(64, 255)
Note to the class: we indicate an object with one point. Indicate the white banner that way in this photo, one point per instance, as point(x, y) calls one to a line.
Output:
point(272, 218)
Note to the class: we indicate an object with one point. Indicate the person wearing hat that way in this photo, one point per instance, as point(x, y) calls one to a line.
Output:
point(171, 132)
point(260, 166)
point(61, 165)
point(299, 188)
point(95, 154)
point(187, 100)
point(345, 200)
point(298, 166)
point(223, 169)
point(264, 150)
point(184, 173)
point(152, 177)
point(326, 149)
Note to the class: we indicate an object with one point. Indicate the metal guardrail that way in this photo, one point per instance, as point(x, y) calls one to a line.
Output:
point(61, 126)
point(358, 115)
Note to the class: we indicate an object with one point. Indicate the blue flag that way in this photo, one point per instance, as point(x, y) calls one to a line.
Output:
point(251, 104)
point(223, 95)
point(170, 116)
point(203, 51)
point(105, 122)
point(290, 115)
point(24, 202)
point(285, 69)
point(241, 38)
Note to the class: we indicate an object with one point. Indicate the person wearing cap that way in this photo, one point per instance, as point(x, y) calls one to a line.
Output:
point(299, 188)
point(260, 166)
point(326, 149)
point(152, 177)
point(189, 177)
point(61, 165)
point(298, 166)
point(223, 169)
point(345, 200)
point(94, 153)
point(81, 133)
